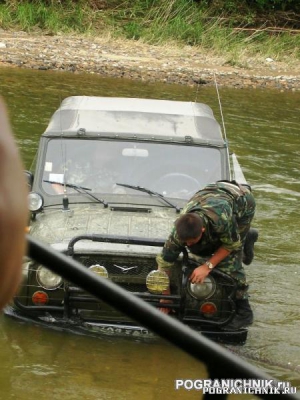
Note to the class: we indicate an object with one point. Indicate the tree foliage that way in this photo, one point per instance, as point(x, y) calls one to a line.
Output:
point(281, 5)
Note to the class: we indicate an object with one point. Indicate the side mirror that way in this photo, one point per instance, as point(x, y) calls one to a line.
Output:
point(29, 179)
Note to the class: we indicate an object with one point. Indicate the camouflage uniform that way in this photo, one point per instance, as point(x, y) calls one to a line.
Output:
point(227, 210)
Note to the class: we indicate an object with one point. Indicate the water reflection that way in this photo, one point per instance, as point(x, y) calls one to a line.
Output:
point(263, 129)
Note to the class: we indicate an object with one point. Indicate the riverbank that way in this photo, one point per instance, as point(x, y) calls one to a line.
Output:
point(140, 61)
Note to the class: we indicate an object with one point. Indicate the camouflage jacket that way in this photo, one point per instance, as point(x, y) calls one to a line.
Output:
point(218, 205)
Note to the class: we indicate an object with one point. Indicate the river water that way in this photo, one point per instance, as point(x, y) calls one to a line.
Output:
point(263, 130)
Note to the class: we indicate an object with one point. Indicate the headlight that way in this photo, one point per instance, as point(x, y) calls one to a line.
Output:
point(99, 270)
point(157, 281)
point(47, 279)
point(35, 202)
point(202, 290)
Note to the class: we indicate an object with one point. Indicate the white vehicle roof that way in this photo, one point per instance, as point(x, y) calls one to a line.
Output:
point(139, 119)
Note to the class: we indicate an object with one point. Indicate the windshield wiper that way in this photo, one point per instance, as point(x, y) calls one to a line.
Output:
point(79, 189)
point(151, 192)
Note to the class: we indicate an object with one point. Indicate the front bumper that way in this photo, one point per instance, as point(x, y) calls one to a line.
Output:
point(115, 329)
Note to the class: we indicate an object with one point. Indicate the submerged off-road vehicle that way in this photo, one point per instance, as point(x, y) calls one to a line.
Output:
point(111, 177)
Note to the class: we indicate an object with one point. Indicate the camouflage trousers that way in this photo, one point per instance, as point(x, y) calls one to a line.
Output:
point(233, 264)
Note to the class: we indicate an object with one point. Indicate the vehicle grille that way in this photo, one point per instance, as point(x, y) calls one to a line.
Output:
point(131, 275)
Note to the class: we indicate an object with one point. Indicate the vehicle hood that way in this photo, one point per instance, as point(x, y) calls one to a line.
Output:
point(57, 227)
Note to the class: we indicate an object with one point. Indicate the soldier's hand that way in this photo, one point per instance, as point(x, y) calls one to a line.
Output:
point(199, 274)
point(166, 310)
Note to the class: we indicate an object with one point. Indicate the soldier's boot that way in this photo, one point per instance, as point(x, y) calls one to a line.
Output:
point(243, 317)
point(248, 250)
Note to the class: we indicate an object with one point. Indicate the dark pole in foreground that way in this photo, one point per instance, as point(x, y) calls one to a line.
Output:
point(220, 362)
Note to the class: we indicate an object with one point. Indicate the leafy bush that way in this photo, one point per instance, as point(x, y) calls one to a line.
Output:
point(283, 5)
point(254, 5)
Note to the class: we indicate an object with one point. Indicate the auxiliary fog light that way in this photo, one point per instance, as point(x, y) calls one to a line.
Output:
point(35, 202)
point(157, 281)
point(100, 270)
point(48, 279)
point(40, 298)
point(202, 290)
point(208, 309)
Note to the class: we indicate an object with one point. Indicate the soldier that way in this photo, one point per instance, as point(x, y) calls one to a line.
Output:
point(215, 224)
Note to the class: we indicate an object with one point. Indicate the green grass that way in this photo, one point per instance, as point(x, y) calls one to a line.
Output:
point(185, 22)
point(35, 15)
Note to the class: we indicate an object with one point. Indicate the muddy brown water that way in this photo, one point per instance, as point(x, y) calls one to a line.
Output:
point(263, 130)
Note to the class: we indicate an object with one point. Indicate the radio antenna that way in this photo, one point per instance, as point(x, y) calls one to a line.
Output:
point(220, 106)
point(64, 159)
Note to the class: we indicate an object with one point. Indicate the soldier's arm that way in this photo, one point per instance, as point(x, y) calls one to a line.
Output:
point(169, 254)
point(224, 225)
point(165, 261)
point(200, 273)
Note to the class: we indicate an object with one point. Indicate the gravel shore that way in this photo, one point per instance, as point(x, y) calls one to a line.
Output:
point(139, 61)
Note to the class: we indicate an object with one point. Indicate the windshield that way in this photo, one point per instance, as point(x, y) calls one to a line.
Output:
point(170, 169)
